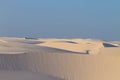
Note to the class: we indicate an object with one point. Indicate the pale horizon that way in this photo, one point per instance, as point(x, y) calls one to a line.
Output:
point(60, 19)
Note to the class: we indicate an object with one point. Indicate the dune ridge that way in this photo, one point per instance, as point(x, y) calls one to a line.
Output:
point(61, 59)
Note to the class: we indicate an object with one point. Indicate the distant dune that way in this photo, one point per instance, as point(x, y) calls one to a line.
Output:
point(59, 59)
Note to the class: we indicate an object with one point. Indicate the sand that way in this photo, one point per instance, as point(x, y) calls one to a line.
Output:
point(22, 75)
point(59, 59)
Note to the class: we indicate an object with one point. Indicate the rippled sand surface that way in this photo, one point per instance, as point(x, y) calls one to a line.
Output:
point(59, 59)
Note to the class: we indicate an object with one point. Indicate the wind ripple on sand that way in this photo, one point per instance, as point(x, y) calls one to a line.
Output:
point(61, 63)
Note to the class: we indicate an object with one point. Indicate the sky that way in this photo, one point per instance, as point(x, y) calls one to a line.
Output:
point(96, 19)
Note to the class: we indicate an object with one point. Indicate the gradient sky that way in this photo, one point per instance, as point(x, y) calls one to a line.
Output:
point(99, 19)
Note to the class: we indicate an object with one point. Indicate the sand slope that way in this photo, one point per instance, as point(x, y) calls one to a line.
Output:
point(22, 75)
point(64, 59)
point(75, 45)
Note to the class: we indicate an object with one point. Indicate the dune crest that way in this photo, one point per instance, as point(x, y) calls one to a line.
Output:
point(75, 45)
point(61, 59)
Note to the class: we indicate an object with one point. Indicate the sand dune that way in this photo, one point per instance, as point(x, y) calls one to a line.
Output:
point(75, 45)
point(18, 75)
point(61, 59)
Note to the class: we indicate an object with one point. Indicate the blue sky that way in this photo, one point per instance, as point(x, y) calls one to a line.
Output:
point(99, 19)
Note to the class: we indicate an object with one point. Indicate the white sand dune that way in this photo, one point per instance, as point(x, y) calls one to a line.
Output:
point(61, 59)
point(75, 45)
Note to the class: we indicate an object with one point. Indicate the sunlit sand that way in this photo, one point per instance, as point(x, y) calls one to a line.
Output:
point(59, 59)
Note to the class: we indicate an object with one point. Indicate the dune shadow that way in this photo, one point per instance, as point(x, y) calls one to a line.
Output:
point(56, 50)
point(108, 45)
point(31, 38)
point(25, 75)
point(68, 42)
point(31, 42)
point(34, 42)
